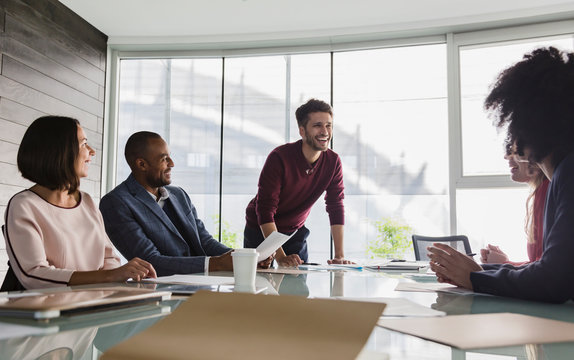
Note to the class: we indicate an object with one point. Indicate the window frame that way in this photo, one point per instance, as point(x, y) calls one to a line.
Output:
point(482, 38)
point(453, 41)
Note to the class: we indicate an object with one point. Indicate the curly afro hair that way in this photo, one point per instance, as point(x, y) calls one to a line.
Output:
point(534, 100)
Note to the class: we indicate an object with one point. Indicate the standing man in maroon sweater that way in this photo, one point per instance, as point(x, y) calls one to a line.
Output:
point(293, 178)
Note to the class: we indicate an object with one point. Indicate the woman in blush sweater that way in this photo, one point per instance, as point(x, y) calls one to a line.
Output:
point(54, 232)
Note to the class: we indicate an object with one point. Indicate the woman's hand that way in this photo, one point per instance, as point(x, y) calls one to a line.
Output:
point(136, 269)
point(493, 255)
point(452, 266)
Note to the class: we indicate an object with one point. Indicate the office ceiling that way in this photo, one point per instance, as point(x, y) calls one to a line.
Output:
point(163, 21)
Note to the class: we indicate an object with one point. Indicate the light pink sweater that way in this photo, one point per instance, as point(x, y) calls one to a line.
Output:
point(47, 243)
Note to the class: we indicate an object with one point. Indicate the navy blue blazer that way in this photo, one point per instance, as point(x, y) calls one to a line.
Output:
point(139, 227)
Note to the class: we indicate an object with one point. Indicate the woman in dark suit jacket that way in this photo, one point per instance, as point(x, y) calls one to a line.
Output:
point(534, 100)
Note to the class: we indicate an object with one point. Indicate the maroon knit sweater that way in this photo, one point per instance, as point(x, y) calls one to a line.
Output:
point(289, 186)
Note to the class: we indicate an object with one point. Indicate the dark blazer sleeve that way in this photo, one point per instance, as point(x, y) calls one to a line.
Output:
point(211, 246)
point(137, 232)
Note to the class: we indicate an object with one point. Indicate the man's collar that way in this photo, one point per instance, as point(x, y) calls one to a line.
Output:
point(163, 194)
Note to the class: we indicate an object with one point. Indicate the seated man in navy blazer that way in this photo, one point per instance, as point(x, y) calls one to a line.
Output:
point(146, 218)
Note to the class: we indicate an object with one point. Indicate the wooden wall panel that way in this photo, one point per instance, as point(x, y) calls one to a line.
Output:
point(6, 193)
point(51, 49)
point(18, 113)
point(11, 132)
point(2, 15)
point(72, 32)
point(51, 62)
point(45, 65)
point(25, 75)
point(38, 100)
point(3, 264)
point(8, 152)
point(10, 175)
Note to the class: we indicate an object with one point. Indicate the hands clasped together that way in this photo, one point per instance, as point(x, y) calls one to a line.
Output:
point(451, 266)
point(493, 255)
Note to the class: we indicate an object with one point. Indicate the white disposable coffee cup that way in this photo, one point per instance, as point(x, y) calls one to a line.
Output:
point(244, 269)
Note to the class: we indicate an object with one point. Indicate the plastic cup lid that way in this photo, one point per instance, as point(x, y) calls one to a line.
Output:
point(242, 252)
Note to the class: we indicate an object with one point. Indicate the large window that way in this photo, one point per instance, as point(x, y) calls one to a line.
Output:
point(386, 104)
point(479, 65)
point(181, 100)
point(409, 125)
point(488, 211)
point(391, 130)
point(261, 95)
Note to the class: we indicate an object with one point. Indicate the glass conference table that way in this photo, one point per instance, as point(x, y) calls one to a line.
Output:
point(87, 336)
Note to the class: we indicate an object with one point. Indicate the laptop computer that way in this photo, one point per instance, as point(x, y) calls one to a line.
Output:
point(49, 305)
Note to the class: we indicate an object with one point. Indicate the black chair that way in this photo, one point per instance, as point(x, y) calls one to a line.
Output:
point(420, 243)
point(11, 282)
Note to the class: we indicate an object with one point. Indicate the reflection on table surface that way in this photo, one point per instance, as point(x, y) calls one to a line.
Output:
point(85, 337)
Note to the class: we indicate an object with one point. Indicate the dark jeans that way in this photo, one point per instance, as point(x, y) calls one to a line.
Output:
point(296, 245)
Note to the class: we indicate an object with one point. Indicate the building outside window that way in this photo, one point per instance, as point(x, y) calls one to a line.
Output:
point(392, 128)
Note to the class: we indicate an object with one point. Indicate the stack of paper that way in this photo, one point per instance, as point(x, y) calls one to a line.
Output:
point(431, 287)
point(400, 307)
point(192, 280)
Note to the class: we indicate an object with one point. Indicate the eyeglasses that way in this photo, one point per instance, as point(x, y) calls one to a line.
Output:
point(518, 158)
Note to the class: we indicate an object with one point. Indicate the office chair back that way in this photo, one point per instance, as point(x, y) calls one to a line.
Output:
point(11, 282)
point(420, 243)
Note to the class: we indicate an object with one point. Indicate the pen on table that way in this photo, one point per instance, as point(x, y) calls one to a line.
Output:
point(308, 263)
point(348, 266)
point(471, 254)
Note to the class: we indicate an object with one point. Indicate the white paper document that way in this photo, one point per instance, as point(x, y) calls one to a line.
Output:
point(193, 280)
point(431, 287)
point(284, 270)
point(345, 267)
point(399, 307)
point(271, 243)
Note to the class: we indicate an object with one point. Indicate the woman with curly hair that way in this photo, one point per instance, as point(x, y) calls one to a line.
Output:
point(534, 101)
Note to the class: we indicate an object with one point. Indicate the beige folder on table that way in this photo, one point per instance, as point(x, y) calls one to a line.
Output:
point(484, 330)
point(246, 326)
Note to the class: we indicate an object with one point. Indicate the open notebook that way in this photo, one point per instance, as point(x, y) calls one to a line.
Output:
point(50, 305)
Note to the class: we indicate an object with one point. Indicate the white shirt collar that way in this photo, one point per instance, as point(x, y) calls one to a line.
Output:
point(163, 195)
